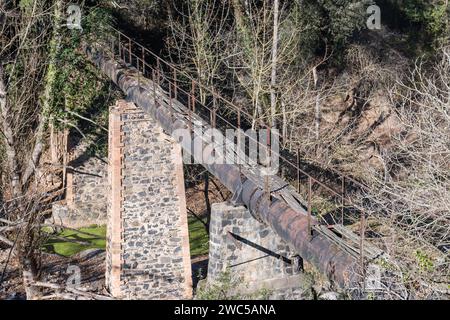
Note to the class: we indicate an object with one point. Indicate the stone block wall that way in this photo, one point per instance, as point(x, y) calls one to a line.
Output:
point(147, 239)
point(86, 191)
point(255, 256)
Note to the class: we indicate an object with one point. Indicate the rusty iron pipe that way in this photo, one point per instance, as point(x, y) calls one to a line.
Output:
point(292, 226)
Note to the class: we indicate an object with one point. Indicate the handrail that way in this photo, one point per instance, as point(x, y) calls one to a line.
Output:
point(125, 45)
point(231, 104)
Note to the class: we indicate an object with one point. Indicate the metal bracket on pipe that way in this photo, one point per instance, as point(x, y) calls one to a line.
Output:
point(254, 211)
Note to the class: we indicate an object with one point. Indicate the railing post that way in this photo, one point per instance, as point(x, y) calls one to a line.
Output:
point(155, 101)
point(240, 152)
point(189, 112)
point(343, 199)
point(309, 206)
point(239, 118)
point(193, 95)
point(175, 82)
point(129, 51)
point(112, 48)
point(268, 156)
point(361, 247)
point(213, 113)
point(158, 69)
point(120, 51)
point(120, 46)
point(137, 68)
point(143, 60)
point(170, 101)
point(298, 171)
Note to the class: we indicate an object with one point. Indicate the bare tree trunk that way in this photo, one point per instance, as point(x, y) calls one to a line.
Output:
point(7, 131)
point(273, 83)
point(47, 97)
point(65, 155)
point(284, 125)
point(53, 144)
point(242, 25)
point(257, 112)
point(28, 240)
point(317, 106)
point(208, 203)
point(29, 272)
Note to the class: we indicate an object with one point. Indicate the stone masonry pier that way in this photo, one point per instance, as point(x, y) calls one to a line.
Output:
point(254, 255)
point(147, 234)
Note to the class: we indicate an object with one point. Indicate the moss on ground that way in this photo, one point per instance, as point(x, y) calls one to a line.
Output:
point(198, 238)
point(97, 240)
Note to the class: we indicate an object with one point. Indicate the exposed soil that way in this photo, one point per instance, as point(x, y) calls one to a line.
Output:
point(58, 270)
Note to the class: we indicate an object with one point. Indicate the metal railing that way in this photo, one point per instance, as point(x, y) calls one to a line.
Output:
point(181, 86)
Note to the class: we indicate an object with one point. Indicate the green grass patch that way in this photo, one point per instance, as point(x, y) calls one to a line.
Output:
point(65, 248)
point(198, 237)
